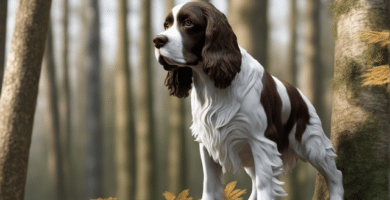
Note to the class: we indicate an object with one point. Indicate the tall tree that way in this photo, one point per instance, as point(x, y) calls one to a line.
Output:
point(79, 138)
point(66, 133)
point(3, 32)
point(176, 147)
point(125, 130)
point(250, 23)
point(311, 85)
point(292, 48)
point(19, 95)
point(53, 138)
point(388, 85)
point(146, 162)
point(360, 125)
point(293, 182)
point(65, 65)
point(94, 172)
point(312, 72)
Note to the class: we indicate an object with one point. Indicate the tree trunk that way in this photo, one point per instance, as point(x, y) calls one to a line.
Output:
point(125, 130)
point(146, 167)
point(18, 99)
point(94, 173)
point(293, 181)
point(360, 127)
point(79, 138)
point(53, 138)
point(292, 48)
point(250, 23)
point(311, 86)
point(66, 133)
point(312, 75)
point(3, 33)
point(388, 85)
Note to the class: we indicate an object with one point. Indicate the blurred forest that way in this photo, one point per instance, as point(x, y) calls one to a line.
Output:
point(105, 125)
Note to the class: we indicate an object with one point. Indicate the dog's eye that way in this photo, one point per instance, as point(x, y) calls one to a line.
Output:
point(166, 26)
point(188, 23)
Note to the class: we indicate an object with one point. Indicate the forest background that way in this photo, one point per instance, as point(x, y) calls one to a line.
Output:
point(289, 53)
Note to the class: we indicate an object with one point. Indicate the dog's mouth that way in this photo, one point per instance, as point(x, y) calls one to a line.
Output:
point(169, 64)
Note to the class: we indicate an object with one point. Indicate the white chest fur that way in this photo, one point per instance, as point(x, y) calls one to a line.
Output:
point(219, 121)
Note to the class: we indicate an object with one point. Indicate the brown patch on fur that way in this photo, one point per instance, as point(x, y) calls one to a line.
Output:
point(299, 112)
point(272, 104)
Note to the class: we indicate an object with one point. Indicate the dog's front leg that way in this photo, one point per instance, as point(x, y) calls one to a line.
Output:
point(212, 180)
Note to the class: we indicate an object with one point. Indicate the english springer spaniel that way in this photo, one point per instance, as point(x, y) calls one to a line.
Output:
point(242, 116)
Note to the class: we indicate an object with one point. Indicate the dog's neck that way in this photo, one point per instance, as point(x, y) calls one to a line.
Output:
point(203, 86)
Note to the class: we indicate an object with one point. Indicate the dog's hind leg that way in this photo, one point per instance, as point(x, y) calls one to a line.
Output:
point(316, 148)
point(268, 165)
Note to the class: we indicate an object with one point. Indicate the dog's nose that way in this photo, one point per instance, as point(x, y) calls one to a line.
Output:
point(160, 41)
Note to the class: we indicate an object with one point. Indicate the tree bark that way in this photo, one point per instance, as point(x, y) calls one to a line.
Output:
point(359, 130)
point(388, 85)
point(3, 33)
point(250, 23)
point(146, 161)
point(125, 130)
point(94, 172)
point(53, 138)
point(18, 99)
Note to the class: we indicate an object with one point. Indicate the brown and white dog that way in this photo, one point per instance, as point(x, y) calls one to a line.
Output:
point(242, 116)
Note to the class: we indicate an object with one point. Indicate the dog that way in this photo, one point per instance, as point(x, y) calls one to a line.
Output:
point(242, 116)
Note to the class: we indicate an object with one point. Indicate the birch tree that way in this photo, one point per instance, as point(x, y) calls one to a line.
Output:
point(359, 130)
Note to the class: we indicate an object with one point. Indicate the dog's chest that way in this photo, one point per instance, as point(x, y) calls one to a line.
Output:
point(221, 128)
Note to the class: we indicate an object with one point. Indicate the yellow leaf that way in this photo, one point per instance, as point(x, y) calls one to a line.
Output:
point(230, 187)
point(169, 196)
point(183, 195)
point(231, 194)
point(376, 36)
point(105, 199)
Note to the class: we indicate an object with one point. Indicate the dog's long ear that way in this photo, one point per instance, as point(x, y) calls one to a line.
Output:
point(221, 54)
point(179, 81)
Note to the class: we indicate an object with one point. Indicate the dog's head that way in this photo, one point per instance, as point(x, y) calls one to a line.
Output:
point(197, 34)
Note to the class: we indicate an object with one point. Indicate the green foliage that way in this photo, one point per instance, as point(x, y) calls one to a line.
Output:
point(348, 72)
point(338, 8)
point(375, 55)
point(364, 170)
point(377, 19)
